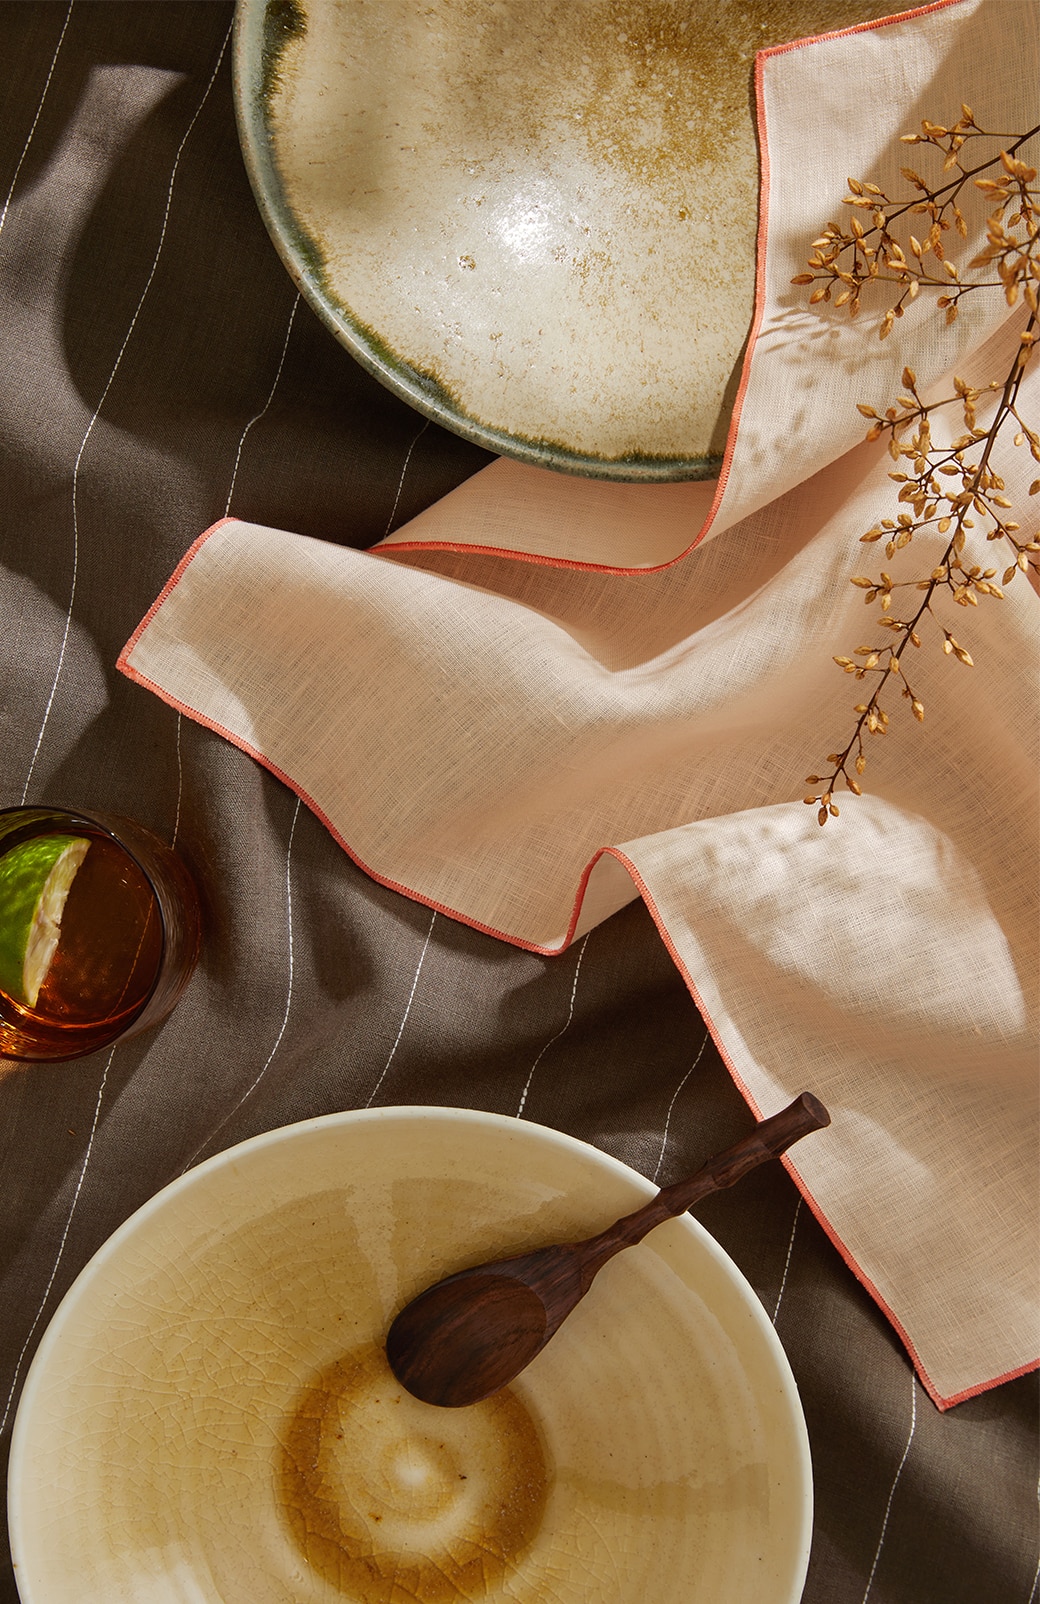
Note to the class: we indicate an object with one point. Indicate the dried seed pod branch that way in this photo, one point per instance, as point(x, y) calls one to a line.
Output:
point(844, 261)
point(950, 490)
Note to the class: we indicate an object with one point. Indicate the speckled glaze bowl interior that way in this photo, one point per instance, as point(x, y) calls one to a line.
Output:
point(210, 1415)
point(534, 221)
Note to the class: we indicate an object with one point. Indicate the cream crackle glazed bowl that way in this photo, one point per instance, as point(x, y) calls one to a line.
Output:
point(534, 221)
point(211, 1417)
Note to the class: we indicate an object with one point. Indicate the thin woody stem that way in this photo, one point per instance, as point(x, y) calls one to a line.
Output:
point(954, 289)
point(957, 183)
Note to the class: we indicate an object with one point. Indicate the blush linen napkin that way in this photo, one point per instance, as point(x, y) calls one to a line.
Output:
point(545, 696)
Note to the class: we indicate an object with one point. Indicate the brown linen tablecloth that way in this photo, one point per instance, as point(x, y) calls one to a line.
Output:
point(156, 372)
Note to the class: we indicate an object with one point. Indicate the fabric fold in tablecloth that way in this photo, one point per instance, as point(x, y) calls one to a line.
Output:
point(528, 744)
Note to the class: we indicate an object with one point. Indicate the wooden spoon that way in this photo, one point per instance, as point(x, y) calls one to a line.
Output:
point(467, 1336)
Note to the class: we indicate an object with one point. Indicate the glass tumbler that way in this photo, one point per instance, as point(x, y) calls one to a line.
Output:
point(99, 931)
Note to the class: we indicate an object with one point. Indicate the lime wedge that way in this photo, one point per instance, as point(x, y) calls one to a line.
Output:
point(35, 880)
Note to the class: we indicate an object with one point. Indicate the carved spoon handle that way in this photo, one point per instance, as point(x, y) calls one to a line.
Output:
point(767, 1140)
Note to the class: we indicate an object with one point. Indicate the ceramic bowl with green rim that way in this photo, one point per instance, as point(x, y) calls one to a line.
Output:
point(211, 1416)
point(535, 222)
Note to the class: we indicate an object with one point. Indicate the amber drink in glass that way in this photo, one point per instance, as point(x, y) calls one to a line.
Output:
point(99, 931)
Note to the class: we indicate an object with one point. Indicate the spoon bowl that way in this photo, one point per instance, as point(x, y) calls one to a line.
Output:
point(466, 1337)
point(495, 1329)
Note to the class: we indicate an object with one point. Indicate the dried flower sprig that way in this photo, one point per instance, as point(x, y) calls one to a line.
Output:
point(951, 490)
point(844, 261)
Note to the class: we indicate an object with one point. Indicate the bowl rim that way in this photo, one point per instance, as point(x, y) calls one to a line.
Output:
point(139, 1220)
point(252, 60)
